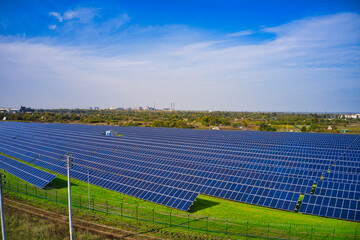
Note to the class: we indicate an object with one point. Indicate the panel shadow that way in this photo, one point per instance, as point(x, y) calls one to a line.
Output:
point(58, 183)
point(200, 204)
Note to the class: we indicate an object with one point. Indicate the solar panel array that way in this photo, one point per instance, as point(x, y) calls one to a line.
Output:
point(29, 174)
point(172, 166)
point(338, 194)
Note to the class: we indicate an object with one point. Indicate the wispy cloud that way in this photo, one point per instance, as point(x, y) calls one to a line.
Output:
point(83, 15)
point(307, 59)
point(242, 33)
point(52, 27)
point(57, 15)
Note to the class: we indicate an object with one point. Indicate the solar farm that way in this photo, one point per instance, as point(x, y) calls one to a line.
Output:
point(172, 167)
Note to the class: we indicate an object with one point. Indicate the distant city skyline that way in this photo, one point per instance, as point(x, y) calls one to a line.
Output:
point(269, 56)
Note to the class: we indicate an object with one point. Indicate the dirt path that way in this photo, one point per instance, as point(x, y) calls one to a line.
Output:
point(95, 228)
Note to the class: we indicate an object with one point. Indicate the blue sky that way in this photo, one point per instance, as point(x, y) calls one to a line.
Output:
point(219, 55)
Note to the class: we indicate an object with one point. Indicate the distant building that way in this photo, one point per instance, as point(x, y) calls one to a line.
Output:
point(329, 127)
point(26, 109)
point(357, 115)
point(345, 130)
point(215, 128)
point(166, 109)
point(10, 110)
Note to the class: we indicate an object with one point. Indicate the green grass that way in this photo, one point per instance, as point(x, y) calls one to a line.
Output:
point(211, 207)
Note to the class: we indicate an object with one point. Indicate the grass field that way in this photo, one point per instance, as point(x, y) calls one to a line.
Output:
point(20, 226)
point(204, 206)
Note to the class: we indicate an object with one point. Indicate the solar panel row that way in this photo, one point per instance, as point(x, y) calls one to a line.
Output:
point(338, 194)
point(29, 174)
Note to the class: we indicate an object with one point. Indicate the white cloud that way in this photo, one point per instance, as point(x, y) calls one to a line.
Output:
point(52, 27)
point(306, 60)
point(83, 15)
point(242, 33)
point(57, 15)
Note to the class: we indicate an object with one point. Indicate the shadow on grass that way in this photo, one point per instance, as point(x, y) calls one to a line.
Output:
point(201, 204)
point(58, 183)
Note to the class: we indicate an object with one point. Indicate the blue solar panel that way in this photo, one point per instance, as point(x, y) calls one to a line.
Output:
point(331, 207)
point(261, 168)
point(27, 173)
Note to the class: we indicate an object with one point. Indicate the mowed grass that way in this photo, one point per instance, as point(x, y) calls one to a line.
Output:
point(203, 206)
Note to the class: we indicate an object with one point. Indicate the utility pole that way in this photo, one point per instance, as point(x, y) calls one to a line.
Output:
point(2, 181)
point(89, 187)
point(69, 197)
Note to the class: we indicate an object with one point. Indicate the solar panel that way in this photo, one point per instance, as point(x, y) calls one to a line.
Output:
point(27, 173)
point(331, 207)
point(261, 168)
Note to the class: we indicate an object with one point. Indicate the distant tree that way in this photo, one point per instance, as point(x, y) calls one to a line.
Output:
point(303, 129)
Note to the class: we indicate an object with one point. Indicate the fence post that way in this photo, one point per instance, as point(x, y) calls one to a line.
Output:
point(188, 221)
point(137, 213)
point(93, 204)
point(107, 208)
point(170, 218)
point(289, 231)
point(247, 228)
point(311, 232)
point(121, 210)
point(226, 226)
point(56, 197)
point(207, 225)
point(268, 233)
point(333, 233)
point(355, 233)
point(80, 201)
point(153, 217)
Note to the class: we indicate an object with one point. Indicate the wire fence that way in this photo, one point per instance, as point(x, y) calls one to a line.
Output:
point(234, 229)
